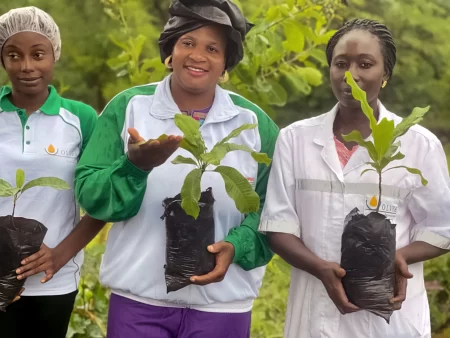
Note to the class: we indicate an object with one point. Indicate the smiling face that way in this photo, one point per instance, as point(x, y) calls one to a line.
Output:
point(198, 59)
point(28, 60)
point(360, 53)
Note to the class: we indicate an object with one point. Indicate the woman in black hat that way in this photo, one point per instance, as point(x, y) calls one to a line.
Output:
point(123, 181)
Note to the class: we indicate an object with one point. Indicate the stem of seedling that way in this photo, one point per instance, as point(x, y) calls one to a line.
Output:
point(379, 189)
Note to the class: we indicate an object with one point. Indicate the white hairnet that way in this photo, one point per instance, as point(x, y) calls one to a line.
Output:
point(30, 19)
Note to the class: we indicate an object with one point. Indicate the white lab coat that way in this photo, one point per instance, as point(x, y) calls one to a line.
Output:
point(309, 195)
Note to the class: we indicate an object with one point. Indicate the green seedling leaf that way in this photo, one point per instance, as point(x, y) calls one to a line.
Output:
point(216, 155)
point(51, 182)
point(239, 189)
point(192, 139)
point(6, 189)
point(355, 136)
point(392, 149)
point(184, 160)
point(237, 132)
point(161, 138)
point(261, 158)
point(20, 178)
point(360, 95)
point(412, 171)
point(366, 170)
point(191, 192)
point(383, 136)
point(415, 117)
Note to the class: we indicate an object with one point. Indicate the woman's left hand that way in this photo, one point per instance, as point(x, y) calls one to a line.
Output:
point(224, 252)
point(401, 281)
point(45, 260)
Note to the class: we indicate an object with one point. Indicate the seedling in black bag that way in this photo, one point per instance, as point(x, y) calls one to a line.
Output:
point(19, 237)
point(189, 215)
point(369, 242)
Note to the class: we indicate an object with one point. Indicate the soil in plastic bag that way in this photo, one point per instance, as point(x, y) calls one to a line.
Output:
point(368, 257)
point(19, 239)
point(187, 240)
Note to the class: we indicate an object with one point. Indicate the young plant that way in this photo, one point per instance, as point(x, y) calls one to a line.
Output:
point(385, 148)
point(7, 190)
point(236, 185)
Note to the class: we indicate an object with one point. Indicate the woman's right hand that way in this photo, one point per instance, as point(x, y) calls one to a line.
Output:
point(147, 155)
point(331, 275)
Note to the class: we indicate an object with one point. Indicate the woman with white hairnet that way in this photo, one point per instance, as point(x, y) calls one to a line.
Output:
point(43, 134)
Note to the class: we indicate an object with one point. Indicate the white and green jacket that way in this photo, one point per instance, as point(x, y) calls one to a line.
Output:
point(109, 187)
point(49, 142)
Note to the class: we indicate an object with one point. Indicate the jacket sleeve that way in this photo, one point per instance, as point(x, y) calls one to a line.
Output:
point(107, 185)
point(251, 247)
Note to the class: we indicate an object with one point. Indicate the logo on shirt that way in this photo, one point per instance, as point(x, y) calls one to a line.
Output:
point(388, 206)
point(252, 182)
point(51, 149)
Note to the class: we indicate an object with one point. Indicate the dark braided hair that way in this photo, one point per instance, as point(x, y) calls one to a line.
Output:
point(387, 44)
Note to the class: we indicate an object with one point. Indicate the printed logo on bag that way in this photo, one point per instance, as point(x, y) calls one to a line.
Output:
point(388, 206)
point(51, 150)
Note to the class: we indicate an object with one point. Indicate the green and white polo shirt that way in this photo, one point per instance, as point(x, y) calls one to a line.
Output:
point(49, 142)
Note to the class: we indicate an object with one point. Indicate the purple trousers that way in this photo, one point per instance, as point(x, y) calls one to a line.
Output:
point(130, 319)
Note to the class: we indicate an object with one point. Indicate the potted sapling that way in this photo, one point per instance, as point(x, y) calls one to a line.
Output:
point(369, 241)
point(19, 237)
point(189, 216)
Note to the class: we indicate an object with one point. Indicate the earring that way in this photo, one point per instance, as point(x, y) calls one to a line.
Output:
point(224, 78)
point(168, 62)
point(384, 84)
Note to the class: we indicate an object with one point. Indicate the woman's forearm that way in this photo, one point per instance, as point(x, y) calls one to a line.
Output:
point(420, 252)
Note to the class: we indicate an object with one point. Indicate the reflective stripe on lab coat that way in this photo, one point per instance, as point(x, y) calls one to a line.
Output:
point(309, 194)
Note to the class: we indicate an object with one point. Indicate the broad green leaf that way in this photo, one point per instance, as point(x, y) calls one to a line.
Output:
point(20, 178)
point(261, 158)
point(415, 117)
point(277, 96)
point(236, 132)
point(392, 149)
point(313, 76)
point(366, 170)
point(184, 160)
point(239, 189)
point(355, 136)
point(412, 171)
point(191, 192)
point(51, 182)
point(297, 81)
point(320, 56)
point(187, 144)
point(5, 185)
point(383, 136)
point(295, 39)
point(216, 155)
point(360, 95)
point(192, 139)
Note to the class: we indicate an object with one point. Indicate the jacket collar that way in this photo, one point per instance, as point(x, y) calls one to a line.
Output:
point(164, 106)
point(51, 106)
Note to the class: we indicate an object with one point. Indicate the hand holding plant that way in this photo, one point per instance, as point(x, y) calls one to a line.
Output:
point(147, 155)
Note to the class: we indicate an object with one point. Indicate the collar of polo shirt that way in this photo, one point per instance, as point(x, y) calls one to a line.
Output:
point(50, 107)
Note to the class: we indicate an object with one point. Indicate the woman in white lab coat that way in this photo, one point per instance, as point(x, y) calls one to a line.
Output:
point(316, 181)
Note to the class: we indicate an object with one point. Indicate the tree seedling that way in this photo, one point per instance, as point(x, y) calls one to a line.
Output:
point(236, 185)
point(385, 148)
point(7, 190)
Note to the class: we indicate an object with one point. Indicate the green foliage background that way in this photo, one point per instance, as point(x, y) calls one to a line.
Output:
point(110, 45)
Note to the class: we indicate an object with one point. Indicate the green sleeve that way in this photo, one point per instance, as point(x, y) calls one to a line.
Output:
point(251, 246)
point(107, 185)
